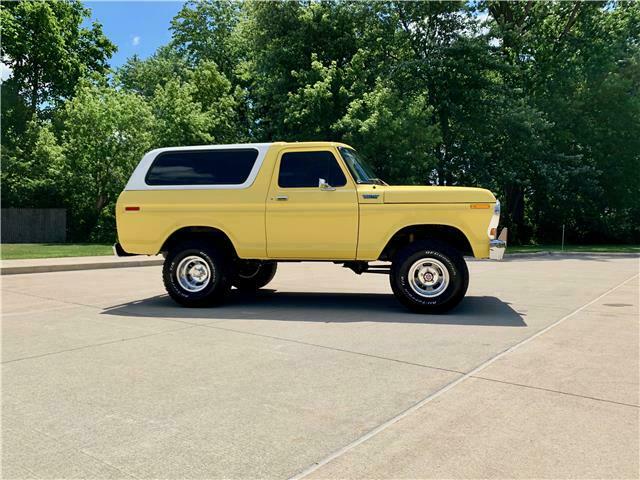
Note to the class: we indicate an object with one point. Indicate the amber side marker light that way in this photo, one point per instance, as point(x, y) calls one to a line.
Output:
point(131, 209)
point(480, 205)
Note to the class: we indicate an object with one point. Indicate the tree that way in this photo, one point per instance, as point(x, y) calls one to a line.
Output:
point(577, 63)
point(198, 111)
point(31, 179)
point(205, 31)
point(394, 132)
point(290, 47)
point(180, 119)
point(144, 76)
point(105, 132)
point(48, 50)
point(310, 111)
point(538, 101)
point(220, 101)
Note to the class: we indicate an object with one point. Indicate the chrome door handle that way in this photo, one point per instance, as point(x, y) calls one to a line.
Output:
point(282, 198)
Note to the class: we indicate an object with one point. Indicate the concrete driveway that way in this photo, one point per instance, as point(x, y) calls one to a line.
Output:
point(324, 375)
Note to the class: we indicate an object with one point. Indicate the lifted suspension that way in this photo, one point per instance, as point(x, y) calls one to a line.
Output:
point(359, 267)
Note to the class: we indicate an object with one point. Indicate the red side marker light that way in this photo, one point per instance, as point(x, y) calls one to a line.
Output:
point(132, 209)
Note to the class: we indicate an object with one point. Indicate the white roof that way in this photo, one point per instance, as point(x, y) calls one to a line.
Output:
point(229, 146)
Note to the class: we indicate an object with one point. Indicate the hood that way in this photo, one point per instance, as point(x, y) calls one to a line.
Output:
point(428, 194)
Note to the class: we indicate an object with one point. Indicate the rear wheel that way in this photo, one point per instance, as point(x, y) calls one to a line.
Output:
point(429, 277)
point(196, 274)
point(249, 276)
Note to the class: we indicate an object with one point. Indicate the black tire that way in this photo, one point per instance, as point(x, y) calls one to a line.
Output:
point(446, 257)
point(251, 276)
point(218, 284)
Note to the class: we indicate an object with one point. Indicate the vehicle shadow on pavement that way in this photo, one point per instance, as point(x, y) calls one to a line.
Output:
point(324, 308)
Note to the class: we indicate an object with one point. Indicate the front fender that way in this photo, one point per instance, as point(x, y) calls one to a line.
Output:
point(380, 222)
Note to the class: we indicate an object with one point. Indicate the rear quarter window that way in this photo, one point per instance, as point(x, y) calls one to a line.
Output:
point(202, 167)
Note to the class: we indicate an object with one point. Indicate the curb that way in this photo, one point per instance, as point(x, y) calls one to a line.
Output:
point(571, 254)
point(526, 255)
point(22, 269)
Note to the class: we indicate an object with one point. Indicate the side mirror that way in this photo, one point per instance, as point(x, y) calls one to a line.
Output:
point(323, 185)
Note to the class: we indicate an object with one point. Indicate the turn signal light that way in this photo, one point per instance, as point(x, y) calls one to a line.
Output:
point(480, 205)
point(493, 232)
point(132, 209)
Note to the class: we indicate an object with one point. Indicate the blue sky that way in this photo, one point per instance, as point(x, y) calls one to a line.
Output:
point(134, 27)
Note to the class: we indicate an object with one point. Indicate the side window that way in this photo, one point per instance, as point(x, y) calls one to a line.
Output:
point(305, 169)
point(202, 167)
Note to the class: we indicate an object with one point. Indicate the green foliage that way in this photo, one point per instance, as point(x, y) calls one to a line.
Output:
point(207, 31)
point(395, 132)
point(220, 101)
point(575, 62)
point(144, 76)
point(105, 132)
point(180, 118)
point(15, 113)
point(31, 171)
point(48, 51)
point(310, 110)
point(295, 70)
point(198, 111)
point(538, 101)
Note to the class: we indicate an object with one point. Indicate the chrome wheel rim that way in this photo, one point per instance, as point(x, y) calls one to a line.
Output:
point(428, 277)
point(193, 273)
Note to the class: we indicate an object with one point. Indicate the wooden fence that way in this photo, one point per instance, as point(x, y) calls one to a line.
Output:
point(33, 225)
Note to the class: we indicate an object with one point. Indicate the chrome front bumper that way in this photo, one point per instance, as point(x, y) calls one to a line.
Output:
point(496, 249)
point(498, 246)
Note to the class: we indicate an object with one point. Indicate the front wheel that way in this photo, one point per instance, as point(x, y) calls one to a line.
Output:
point(429, 277)
point(250, 276)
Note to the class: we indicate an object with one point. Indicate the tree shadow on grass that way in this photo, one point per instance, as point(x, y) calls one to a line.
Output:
point(324, 308)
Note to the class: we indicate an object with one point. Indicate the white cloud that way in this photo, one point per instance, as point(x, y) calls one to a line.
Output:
point(5, 71)
point(135, 41)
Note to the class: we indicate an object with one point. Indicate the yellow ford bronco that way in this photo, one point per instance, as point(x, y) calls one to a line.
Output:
point(224, 215)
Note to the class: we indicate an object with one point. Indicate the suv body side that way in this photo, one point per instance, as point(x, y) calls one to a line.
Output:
point(239, 213)
point(381, 219)
point(350, 222)
point(306, 222)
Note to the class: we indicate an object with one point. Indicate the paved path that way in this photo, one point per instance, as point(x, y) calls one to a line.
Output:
point(324, 376)
point(65, 264)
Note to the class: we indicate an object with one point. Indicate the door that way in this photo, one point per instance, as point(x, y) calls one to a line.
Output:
point(312, 208)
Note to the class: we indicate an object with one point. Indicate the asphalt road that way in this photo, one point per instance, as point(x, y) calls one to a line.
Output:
point(324, 375)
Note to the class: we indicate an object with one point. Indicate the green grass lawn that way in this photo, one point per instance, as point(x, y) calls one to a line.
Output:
point(574, 248)
point(13, 251)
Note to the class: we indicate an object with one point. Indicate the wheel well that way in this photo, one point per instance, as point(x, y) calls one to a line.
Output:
point(444, 233)
point(210, 235)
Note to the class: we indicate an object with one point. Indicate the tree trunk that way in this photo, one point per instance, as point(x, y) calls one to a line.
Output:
point(515, 212)
point(33, 104)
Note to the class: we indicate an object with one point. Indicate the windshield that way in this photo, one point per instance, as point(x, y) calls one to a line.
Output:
point(362, 173)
